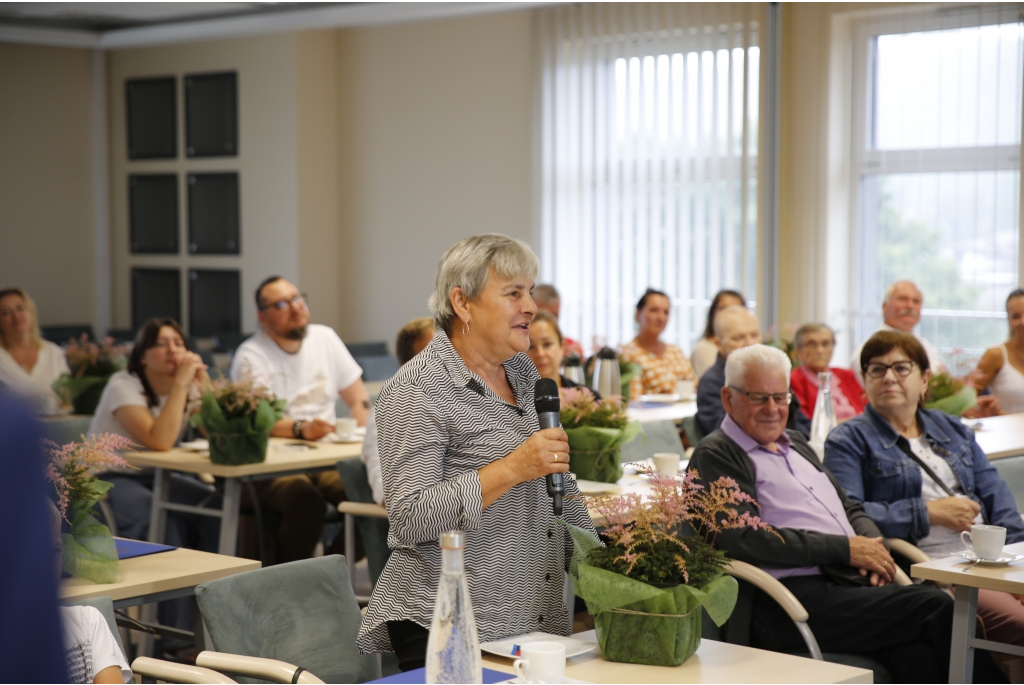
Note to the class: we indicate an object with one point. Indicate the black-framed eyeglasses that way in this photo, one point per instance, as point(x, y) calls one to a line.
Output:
point(878, 370)
point(281, 305)
point(759, 399)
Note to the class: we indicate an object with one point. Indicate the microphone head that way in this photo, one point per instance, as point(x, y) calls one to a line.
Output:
point(545, 396)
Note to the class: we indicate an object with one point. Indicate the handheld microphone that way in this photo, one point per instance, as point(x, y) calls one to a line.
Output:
point(547, 403)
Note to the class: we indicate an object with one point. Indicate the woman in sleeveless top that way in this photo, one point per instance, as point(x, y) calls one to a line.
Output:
point(1000, 366)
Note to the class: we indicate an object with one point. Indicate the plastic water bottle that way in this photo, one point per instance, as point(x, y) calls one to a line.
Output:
point(453, 648)
point(824, 414)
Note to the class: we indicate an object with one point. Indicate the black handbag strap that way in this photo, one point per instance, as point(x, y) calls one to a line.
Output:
point(904, 445)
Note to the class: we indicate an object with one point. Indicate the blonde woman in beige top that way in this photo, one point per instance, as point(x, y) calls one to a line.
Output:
point(662, 365)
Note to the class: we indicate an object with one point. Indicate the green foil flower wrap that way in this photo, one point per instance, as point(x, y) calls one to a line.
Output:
point(237, 419)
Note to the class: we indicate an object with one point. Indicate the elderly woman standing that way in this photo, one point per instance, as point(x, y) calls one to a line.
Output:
point(814, 345)
point(29, 365)
point(919, 472)
point(663, 365)
point(460, 449)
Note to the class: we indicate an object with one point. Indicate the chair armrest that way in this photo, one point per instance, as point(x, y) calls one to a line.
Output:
point(776, 590)
point(256, 667)
point(904, 548)
point(902, 578)
point(362, 509)
point(171, 672)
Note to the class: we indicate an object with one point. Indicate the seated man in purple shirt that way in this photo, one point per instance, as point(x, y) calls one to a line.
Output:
point(830, 553)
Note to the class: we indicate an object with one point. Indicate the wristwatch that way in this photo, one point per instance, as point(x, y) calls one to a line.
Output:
point(297, 429)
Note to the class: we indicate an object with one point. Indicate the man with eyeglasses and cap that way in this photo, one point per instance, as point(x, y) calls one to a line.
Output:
point(824, 548)
point(308, 366)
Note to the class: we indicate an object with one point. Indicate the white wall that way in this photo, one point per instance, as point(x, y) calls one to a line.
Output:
point(46, 201)
point(435, 140)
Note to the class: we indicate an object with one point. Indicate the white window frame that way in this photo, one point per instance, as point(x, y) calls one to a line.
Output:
point(865, 161)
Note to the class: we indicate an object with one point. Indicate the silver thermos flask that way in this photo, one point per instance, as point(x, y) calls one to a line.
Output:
point(606, 379)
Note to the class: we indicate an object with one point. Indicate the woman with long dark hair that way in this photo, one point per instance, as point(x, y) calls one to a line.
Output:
point(149, 402)
point(663, 365)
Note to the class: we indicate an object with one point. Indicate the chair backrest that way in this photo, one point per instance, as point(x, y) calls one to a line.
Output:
point(377, 367)
point(662, 436)
point(693, 432)
point(65, 429)
point(61, 334)
point(1011, 470)
point(368, 349)
point(106, 607)
point(302, 612)
point(374, 531)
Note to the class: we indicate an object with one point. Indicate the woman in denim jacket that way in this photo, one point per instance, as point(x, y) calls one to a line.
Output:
point(869, 456)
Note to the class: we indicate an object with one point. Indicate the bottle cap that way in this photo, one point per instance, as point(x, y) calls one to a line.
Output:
point(453, 539)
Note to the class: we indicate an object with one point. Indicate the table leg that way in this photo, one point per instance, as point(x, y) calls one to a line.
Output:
point(157, 513)
point(229, 522)
point(965, 617)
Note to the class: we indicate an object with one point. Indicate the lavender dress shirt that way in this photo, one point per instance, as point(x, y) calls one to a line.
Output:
point(791, 493)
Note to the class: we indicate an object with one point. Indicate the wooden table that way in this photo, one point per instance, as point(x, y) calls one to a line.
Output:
point(714, 662)
point(156, 577)
point(281, 461)
point(1001, 436)
point(645, 412)
point(950, 570)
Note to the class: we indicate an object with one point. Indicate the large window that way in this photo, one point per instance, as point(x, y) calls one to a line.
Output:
point(937, 139)
point(649, 162)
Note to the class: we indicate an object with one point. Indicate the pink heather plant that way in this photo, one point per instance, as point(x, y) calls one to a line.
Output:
point(650, 539)
point(580, 408)
point(86, 358)
point(73, 467)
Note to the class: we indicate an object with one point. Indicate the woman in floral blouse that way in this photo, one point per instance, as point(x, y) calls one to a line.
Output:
point(662, 364)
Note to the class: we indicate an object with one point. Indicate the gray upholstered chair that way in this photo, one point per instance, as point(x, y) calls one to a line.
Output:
point(302, 613)
point(361, 510)
point(658, 436)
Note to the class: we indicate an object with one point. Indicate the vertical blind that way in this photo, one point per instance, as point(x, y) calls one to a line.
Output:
point(649, 161)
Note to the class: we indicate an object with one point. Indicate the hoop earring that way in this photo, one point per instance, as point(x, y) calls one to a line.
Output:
point(465, 328)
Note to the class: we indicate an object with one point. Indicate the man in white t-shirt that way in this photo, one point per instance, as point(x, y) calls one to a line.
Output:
point(901, 311)
point(309, 367)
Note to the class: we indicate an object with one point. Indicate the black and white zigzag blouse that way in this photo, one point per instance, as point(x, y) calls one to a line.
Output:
point(438, 423)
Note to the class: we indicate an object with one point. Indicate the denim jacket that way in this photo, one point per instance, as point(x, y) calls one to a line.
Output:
point(865, 458)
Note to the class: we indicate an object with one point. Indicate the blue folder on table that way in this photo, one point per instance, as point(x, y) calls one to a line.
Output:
point(128, 549)
point(419, 675)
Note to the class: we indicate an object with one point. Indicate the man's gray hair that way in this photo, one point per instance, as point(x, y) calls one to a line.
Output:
point(545, 294)
point(467, 264)
point(892, 289)
point(764, 358)
point(727, 311)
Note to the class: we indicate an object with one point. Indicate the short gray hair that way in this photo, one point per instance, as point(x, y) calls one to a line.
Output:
point(764, 357)
point(892, 288)
point(808, 328)
point(467, 264)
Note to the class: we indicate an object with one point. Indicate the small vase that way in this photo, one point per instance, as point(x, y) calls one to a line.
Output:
point(89, 550)
point(234, 449)
point(633, 636)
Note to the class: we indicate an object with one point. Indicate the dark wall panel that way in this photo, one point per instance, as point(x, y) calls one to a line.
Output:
point(155, 292)
point(152, 131)
point(211, 115)
point(153, 213)
point(214, 302)
point(213, 221)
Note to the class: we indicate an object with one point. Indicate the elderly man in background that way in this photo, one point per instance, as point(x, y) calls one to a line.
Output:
point(825, 549)
point(547, 298)
point(901, 311)
point(308, 366)
point(735, 327)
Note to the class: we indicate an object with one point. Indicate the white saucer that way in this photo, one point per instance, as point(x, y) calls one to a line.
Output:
point(661, 399)
point(573, 647)
point(593, 487)
point(201, 445)
point(1001, 561)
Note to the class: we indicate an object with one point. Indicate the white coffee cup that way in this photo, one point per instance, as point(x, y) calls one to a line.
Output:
point(685, 388)
point(666, 464)
point(346, 428)
point(541, 662)
point(986, 541)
